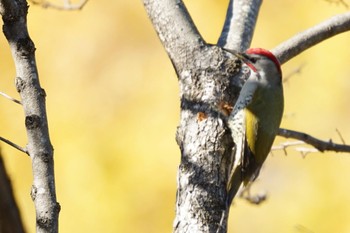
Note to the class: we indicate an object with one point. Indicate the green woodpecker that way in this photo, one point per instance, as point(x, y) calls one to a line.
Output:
point(256, 117)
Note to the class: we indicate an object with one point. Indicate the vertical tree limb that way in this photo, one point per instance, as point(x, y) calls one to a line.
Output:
point(14, 13)
point(205, 77)
point(204, 141)
point(238, 29)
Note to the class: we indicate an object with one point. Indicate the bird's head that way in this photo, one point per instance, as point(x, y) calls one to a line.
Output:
point(264, 62)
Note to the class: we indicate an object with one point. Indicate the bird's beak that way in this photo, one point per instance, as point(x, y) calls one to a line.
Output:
point(243, 57)
point(240, 55)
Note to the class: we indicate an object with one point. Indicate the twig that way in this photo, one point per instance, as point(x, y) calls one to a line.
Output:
point(10, 98)
point(285, 145)
point(14, 145)
point(317, 143)
point(340, 136)
point(305, 151)
point(221, 223)
point(68, 6)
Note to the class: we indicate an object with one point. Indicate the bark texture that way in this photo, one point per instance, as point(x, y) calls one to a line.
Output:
point(238, 29)
point(39, 148)
point(312, 36)
point(206, 146)
point(208, 84)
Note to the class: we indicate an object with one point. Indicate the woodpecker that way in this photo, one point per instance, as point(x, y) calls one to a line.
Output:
point(255, 118)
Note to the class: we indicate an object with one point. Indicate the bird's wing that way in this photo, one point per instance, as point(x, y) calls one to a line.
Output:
point(237, 125)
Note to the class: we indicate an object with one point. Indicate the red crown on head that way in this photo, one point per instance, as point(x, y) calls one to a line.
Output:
point(266, 53)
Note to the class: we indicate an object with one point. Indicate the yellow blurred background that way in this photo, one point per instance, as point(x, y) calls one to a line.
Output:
point(113, 108)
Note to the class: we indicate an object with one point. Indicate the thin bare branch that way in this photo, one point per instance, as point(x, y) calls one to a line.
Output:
point(308, 38)
point(22, 149)
point(317, 143)
point(238, 29)
point(340, 136)
point(68, 6)
point(283, 146)
point(305, 151)
point(10, 98)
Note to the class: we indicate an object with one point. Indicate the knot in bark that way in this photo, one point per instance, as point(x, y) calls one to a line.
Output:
point(32, 121)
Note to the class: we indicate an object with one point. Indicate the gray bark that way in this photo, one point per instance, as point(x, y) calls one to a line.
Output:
point(204, 141)
point(39, 148)
point(209, 86)
point(312, 36)
point(238, 29)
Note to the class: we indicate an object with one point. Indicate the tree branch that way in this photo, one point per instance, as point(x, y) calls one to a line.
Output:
point(318, 144)
point(10, 98)
point(175, 28)
point(310, 37)
point(14, 15)
point(10, 219)
point(14, 145)
point(238, 29)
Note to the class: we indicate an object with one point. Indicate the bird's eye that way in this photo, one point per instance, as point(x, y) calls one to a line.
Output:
point(253, 59)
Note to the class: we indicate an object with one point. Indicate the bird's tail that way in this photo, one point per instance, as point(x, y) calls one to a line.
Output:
point(234, 184)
